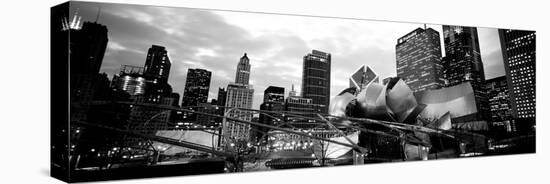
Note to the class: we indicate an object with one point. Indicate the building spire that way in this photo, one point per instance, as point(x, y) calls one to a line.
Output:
point(243, 70)
point(244, 56)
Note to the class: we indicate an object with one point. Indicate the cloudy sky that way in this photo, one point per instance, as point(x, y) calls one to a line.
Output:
point(275, 44)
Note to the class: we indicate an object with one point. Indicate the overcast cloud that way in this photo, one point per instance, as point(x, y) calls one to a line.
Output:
point(215, 40)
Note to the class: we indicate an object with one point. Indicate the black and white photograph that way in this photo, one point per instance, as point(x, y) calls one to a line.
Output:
point(171, 91)
point(274, 92)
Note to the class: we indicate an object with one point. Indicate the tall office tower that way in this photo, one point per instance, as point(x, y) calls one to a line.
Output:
point(362, 77)
point(157, 64)
point(197, 86)
point(242, 75)
point(239, 95)
point(518, 51)
point(499, 102)
point(86, 50)
point(274, 100)
point(81, 49)
point(462, 63)
point(418, 59)
point(130, 79)
point(88, 44)
point(316, 79)
point(222, 93)
point(157, 71)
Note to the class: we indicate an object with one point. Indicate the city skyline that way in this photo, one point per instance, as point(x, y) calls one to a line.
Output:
point(275, 49)
point(371, 92)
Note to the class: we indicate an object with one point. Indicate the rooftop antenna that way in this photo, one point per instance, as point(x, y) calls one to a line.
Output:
point(424, 26)
point(98, 12)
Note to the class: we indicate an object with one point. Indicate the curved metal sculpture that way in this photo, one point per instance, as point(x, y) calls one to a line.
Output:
point(396, 102)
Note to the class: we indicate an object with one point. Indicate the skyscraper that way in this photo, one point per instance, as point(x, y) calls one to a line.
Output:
point(274, 100)
point(157, 71)
point(197, 86)
point(362, 77)
point(242, 75)
point(499, 103)
point(157, 64)
point(518, 51)
point(418, 59)
point(462, 63)
point(239, 95)
point(78, 50)
point(88, 44)
point(316, 79)
point(86, 50)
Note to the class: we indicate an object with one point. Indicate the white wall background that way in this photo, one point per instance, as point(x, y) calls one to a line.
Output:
point(24, 130)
